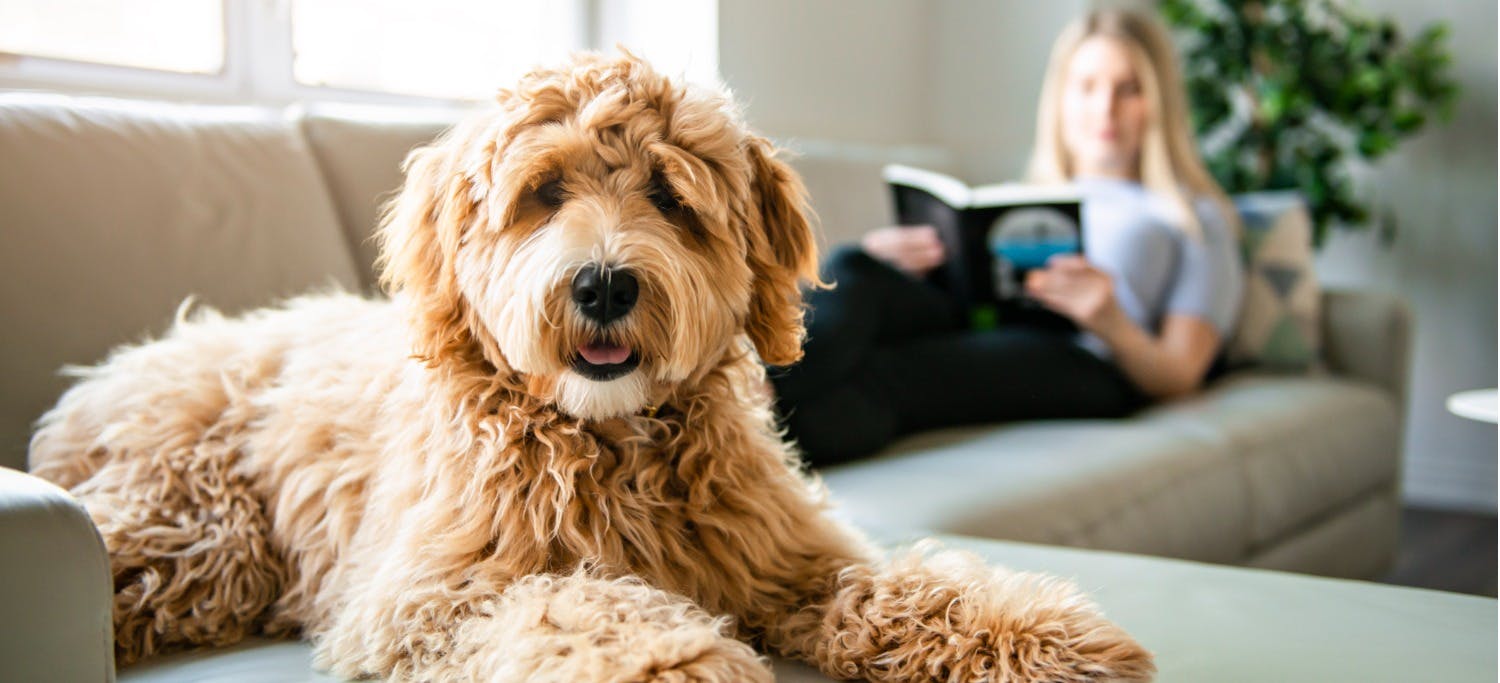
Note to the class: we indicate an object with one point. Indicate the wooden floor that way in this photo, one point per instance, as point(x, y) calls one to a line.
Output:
point(1451, 551)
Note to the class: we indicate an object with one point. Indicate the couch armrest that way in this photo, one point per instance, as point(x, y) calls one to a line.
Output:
point(1367, 336)
point(55, 586)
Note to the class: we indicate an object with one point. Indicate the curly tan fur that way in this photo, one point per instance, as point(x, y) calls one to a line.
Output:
point(427, 488)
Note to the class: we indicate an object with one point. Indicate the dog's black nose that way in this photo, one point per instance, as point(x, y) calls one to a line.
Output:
point(604, 294)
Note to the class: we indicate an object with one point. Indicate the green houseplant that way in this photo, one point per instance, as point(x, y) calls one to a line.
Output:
point(1286, 93)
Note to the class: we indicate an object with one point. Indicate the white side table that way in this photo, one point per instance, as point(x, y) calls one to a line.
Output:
point(1478, 404)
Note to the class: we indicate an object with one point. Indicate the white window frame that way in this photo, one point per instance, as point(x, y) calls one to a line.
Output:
point(257, 67)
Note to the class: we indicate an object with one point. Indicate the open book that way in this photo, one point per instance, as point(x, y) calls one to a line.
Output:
point(993, 235)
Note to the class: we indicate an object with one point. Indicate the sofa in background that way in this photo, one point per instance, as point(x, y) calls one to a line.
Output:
point(1287, 470)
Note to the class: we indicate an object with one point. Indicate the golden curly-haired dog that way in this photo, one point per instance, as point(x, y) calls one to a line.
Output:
point(547, 456)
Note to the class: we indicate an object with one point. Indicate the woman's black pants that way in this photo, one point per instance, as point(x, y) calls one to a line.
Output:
point(887, 355)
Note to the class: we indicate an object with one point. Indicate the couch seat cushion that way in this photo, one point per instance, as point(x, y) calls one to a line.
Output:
point(1250, 461)
point(1136, 485)
point(1308, 445)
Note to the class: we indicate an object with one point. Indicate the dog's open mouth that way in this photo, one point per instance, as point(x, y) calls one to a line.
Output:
point(603, 361)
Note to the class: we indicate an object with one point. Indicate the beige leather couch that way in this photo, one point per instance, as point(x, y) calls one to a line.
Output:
point(112, 212)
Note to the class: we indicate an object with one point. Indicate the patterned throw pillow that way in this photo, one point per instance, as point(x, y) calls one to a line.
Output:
point(1278, 326)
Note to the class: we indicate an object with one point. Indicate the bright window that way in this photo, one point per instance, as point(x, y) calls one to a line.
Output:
point(679, 37)
point(185, 36)
point(454, 49)
point(382, 51)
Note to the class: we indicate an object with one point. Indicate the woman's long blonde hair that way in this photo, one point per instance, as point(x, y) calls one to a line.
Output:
point(1169, 159)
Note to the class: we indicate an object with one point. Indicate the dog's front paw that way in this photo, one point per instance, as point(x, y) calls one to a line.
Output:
point(578, 627)
point(1036, 628)
point(950, 617)
point(690, 660)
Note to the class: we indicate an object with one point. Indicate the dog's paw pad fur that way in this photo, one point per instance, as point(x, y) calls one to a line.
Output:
point(948, 616)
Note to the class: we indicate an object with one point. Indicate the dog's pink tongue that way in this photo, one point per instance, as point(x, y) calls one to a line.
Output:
point(604, 354)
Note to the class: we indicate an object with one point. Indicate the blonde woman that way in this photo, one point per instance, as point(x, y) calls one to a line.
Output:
point(1154, 298)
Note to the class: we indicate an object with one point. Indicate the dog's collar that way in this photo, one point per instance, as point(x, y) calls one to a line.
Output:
point(650, 410)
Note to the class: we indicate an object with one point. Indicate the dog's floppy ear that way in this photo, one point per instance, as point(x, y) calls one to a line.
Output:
point(782, 253)
point(419, 235)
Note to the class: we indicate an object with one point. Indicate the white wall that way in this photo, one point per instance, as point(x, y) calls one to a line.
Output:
point(963, 75)
point(845, 84)
point(829, 69)
point(989, 61)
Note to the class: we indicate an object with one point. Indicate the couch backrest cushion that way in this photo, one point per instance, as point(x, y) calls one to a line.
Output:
point(360, 153)
point(111, 213)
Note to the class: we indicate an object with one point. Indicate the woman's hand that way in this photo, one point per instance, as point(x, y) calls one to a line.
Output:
point(911, 249)
point(1169, 364)
point(1074, 288)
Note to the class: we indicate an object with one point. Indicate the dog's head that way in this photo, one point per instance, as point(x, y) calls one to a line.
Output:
point(604, 235)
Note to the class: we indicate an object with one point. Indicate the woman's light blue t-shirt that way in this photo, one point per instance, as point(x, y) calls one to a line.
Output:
point(1158, 268)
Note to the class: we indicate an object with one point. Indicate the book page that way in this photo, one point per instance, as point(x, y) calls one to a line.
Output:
point(950, 190)
point(1006, 194)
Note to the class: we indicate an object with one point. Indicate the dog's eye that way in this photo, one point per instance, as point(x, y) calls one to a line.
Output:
point(663, 198)
point(550, 193)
